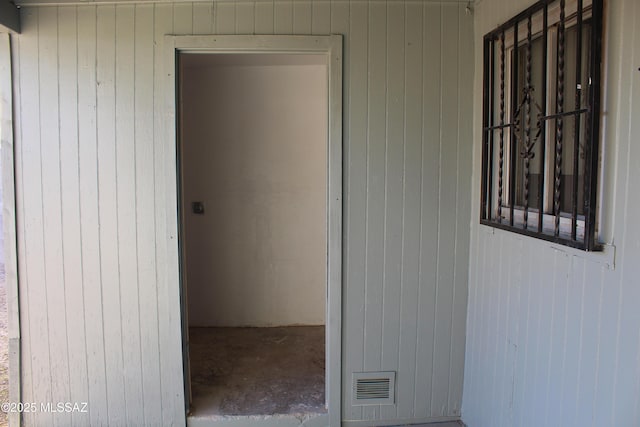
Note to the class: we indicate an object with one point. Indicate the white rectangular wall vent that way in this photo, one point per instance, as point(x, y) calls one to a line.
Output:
point(374, 388)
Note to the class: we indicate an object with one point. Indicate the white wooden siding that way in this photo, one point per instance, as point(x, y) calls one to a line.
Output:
point(552, 333)
point(97, 298)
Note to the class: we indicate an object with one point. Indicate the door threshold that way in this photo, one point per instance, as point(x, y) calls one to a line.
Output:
point(277, 420)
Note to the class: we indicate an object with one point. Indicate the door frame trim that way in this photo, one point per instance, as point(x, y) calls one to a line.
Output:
point(331, 46)
point(9, 209)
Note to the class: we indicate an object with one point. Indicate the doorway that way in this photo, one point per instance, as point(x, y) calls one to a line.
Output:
point(259, 232)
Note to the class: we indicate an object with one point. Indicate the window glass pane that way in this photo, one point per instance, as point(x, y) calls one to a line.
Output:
point(529, 147)
point(574, 127)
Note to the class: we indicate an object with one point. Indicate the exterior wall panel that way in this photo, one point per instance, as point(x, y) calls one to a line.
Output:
point(552, 333)
point(96, 294)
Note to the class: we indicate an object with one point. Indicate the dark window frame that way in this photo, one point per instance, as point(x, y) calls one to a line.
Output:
point(499, 155)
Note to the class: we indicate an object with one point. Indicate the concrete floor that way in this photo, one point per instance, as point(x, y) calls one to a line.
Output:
point(257, 371)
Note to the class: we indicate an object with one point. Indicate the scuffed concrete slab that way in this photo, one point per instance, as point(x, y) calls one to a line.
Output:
point(288, 420)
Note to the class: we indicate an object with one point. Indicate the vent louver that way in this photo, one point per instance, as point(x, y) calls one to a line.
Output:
point(374, 388)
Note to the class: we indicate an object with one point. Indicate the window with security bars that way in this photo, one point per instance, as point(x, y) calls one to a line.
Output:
point(541, 122)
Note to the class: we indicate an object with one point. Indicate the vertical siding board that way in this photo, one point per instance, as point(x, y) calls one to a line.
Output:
point(497, 317)
point(51, 207)
point(283, 17)
point(340, 25)
point(183, 19)
point(375, 191)
point(501, 331)
point(446, 223)
point(89, 214)
point(488, 338)
point(225, 18)
point(552, 277)
point(538, 281)
point(394, 203)
point(492, 247)
point(472, 315)
point(590, 335)
point(523, 253)
point(145, 225)
point(463, 210)
point(473, 319)
point(521, 386)
point(557, 337)
point(126, 211)
point(432, 38)
point(321, 17)
point(202, 19)
point(524, 308)
point(485, 260)
point(339, 21)
point(108, 212)
point(245, 18)
point(571, 348)
point(412, 209)
point(264, 17)
point(70, 197)
point(497, 322)
point(610, 291)
point(492, 339)
point(499, 327)
point(356, 202)
point(510, 340)
point(478, 324)
point(633, 415)
point(31, 293)
point(541, 282)
point(477, 321)
point(302, 17)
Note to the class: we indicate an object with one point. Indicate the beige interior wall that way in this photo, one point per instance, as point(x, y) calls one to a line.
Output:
point(254, 152)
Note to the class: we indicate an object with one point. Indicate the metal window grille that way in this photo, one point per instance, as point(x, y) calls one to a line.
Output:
point(541, 122)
